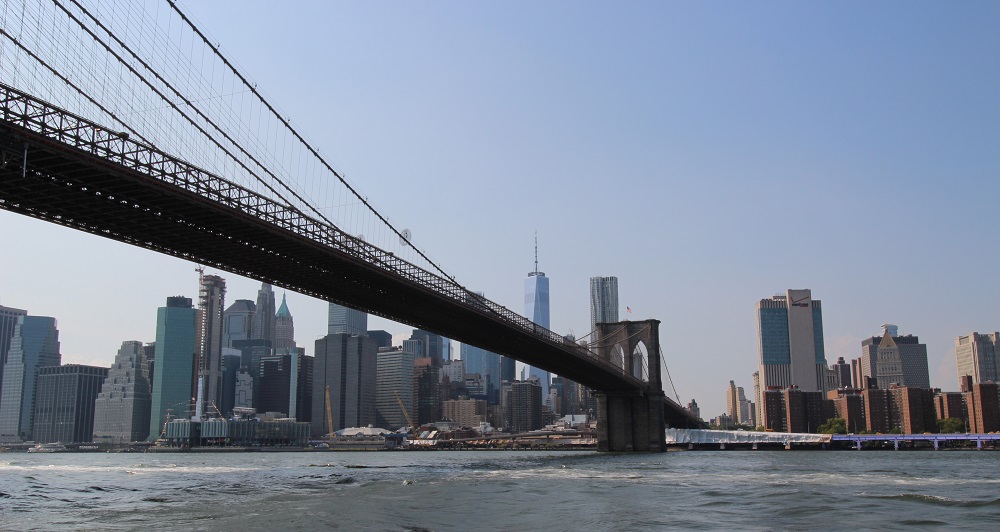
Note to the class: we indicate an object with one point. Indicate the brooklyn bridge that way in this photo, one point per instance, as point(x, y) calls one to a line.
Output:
point(192, 177)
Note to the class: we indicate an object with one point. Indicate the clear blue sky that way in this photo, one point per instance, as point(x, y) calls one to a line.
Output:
point(708, 154)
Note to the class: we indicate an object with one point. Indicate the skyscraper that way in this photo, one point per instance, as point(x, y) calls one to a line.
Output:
point(251, 353)
point(211, 305)
point(732, 402)
point(64, 403)
point(244, 389)
point(35, 345)
point(238, 322)
point(431, 345)
point(286, 385)
point(603, 301)
point(738, 408)
point(843, 371)
point(382, 338)
point(536, 309)
point(121, 410)
point(570, 396)
point(427, 388)
point(525, 406)
point(487, 365)
point(976, 356)
point(176, 347)
point(8, 321)
point(693, 408)
point(790, 345)
point(394, 378)
point(344, 320)
point(232, 362)
point(284, 329)
point(263, 318)
point(893, 359)
point(347, 365)
point(446, 350)
point(508, 369)
point(300, 395)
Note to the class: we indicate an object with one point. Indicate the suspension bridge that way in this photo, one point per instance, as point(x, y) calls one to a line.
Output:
point(107, 126)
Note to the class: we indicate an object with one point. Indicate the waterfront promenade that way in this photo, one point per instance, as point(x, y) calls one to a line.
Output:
point(739, 439)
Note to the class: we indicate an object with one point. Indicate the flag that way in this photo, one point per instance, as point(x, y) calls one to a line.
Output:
point(628, 310)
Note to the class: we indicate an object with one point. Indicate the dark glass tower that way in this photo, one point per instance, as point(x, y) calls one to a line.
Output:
point(35, 345)
point(64, 403)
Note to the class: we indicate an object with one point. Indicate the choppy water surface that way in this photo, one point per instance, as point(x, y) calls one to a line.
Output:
point(500, 490)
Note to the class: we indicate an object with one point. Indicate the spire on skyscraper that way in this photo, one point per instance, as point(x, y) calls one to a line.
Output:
point(283, 309)
point(536, 273)
point(284, 328)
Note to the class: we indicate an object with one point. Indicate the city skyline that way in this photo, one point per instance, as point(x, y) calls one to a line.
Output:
point(817, 136)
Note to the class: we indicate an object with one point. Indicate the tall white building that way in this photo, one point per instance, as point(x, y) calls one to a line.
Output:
point(603, 301)
point(976, 356)
point(454, 370)
point(790, 348)
point(536, 309)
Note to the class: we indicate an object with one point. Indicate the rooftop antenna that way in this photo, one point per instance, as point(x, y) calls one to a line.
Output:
point(536, 251)
point(536, 273)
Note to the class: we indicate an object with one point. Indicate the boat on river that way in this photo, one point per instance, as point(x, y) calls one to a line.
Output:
point(47, 448)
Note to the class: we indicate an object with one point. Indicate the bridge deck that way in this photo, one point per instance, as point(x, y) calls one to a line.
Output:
point(61, 168)
point(64, 169)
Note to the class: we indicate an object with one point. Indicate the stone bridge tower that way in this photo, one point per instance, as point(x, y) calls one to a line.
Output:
point(632, 421)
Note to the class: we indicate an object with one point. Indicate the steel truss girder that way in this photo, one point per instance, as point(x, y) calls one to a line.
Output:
point(90, 178)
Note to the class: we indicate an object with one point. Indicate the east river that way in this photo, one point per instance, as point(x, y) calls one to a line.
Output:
point(493, 490)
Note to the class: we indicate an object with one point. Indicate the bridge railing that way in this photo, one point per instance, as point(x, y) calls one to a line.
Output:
point(30, 113)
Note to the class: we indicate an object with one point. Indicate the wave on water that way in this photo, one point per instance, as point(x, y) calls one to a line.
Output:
point(938, 500)
point(106, 489)
point(155, 466)
point(923, 522)
point(141, 469)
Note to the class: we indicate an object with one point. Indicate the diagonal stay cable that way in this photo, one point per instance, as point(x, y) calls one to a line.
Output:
point(75, 87)
point(186, 101)
point(308, 146)
point(663, 362)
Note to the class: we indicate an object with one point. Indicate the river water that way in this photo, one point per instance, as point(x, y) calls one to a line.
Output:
point(495, 490)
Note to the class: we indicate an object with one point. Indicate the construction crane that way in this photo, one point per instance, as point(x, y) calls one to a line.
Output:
point(329, 415)
point(416, 432)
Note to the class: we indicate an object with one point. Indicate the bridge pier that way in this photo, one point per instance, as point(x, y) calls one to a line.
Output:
point(630, 422)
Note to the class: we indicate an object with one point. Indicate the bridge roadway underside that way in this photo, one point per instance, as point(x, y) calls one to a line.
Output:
point(61, 184)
